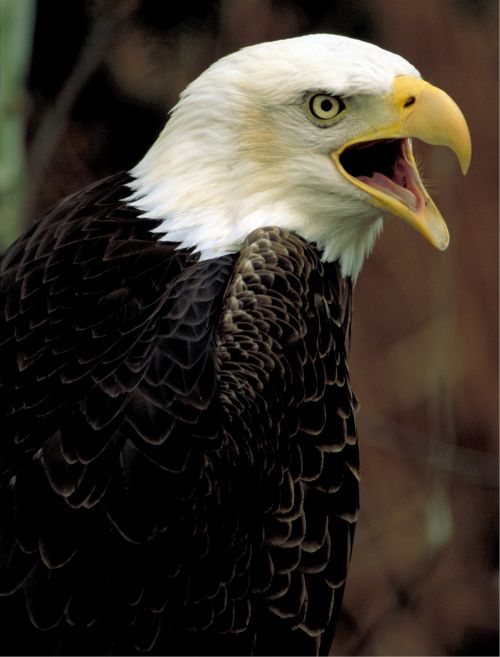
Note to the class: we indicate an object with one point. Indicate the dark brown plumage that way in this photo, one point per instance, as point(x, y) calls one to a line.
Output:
point(178, 452)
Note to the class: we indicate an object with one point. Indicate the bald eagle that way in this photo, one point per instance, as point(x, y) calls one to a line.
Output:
point(178, 458)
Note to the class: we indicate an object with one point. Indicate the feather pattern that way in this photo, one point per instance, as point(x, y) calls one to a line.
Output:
point(179, 458)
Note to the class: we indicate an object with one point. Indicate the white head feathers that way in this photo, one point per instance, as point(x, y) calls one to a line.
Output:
point(239, 152)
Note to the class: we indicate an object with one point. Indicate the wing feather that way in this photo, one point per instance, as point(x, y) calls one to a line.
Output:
point(180, 464)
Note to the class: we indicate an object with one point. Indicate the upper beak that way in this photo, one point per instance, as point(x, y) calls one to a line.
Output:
point(414, 109)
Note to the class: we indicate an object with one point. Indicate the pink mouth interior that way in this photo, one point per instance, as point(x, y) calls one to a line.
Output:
point(382, 164)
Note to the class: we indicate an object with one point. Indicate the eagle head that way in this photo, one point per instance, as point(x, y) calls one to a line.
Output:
point(311, 134)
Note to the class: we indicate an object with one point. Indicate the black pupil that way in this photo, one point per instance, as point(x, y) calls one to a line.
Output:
point(326, 105)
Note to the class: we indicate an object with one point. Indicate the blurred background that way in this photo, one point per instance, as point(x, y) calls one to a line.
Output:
point(86, 87)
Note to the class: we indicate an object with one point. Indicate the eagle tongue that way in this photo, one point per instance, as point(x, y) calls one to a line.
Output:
point(388, 186)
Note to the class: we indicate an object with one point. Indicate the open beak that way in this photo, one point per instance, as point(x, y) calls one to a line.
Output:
point(380, 162)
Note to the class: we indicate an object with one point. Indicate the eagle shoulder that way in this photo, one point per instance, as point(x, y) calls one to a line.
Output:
point(283, 379)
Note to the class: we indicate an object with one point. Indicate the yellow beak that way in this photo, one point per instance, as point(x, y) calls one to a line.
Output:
point(414, 109)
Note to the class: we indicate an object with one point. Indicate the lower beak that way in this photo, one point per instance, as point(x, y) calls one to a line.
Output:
point(416, 109)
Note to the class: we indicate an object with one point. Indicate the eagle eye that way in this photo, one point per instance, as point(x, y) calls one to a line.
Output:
point(324, 108)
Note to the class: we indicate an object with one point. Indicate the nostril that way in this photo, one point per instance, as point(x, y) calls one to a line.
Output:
point(410, 101)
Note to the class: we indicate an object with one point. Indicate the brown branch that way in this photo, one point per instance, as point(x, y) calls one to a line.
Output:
point(54, 122)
